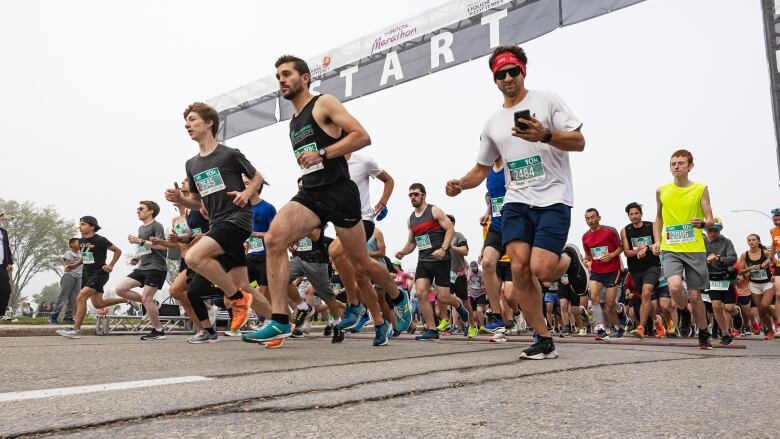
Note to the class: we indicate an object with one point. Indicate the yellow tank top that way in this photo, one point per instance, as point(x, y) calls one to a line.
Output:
point(505, 257)
point(679, 206)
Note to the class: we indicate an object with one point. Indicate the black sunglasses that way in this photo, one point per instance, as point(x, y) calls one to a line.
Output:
point(501, 74)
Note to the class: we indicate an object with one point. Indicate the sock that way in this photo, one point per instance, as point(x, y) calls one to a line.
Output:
point(397, 301)
point(283, 319)
point(238, 296)
point(336, 322)
point(209, 330)
point(303, 305)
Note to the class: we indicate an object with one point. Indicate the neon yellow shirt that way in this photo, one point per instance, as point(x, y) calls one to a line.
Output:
point(678, 206)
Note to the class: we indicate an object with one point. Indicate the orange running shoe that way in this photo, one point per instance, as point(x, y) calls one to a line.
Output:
point(240, 311)
point(734, 332)
point(770, 335)
point(658, 323)
point(275, 344)
point(639, 332)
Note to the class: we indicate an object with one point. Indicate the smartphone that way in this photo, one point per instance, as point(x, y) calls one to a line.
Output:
point(522, 114)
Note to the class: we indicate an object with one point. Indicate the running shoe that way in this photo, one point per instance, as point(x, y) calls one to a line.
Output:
point(427, 335)
point(301, 315)
point(395, 333)
point(271, 330)
point(274, 344)
point(565, 333)
point(338, 335)
point(756, 328)
point(154, 335)
point(483, 330)
point(203, 337)
point(297, 333)
point(69, 333)
point(768, 335)
point(352, 314)
point(444, 324)
point(240, 311)
point(213, 313)
point(68, 321)
point(726, 340)
point(472, 332)
point(658, 323)
point(232, 333)
point(705, 341)
point(53, 319)
point(306, 328)
point(511, 328)
point(403, 313)
point(733, 332)
point(542, 350)
point(620, 333)
point(328, 330)
point(491, 327)
point(670, 328)
point(364, 320)
point(582, 331)
point(601, 334)
point(381, 333)
point(499, 336)
point(639, 332)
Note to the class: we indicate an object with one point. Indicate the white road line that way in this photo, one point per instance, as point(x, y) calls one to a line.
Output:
point(79, 390)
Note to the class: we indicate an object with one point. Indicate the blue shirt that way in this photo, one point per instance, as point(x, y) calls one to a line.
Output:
point(496, 187)
point(262, 215)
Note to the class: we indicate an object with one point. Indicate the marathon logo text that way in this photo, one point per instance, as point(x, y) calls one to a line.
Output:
point(299, 135)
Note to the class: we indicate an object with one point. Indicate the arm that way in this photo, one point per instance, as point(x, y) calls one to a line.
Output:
point(626, 247)
point(116, 254)
point(410, 244)
point(380, 245)
point(449, 231)
point(707, 209)
point(473, 178)
point(241, 198)
point(387, 190)
point(731, 255)
point(658, 224)
point(618, 248)
point(563, 140)
point(462, 250)
point(357, 137)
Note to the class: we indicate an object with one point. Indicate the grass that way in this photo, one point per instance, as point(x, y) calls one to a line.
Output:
point(40, 321)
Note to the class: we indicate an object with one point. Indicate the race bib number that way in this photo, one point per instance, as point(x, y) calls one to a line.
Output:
point(760, 274)
point(524, 172)
point(453, 276)
point(180, 229)
point(143, 250)
point(599, 252)
point(209, 181)
point(196, 231)
point(304, 245)
point(255, 245)
point(680, 233)
point(423, 242)
point(307, 148)
point(87, 258)
point(642, 241)
point(720, 285)
point(495, 206)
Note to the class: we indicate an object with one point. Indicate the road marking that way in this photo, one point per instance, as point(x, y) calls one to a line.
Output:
point(80, 390)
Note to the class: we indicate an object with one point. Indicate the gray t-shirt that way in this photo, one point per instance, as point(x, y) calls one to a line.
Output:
point(458, 261)
point(71, 257)
point(151, 259)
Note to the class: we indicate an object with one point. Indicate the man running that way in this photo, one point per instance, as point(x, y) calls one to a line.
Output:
point(70, 284)
point(459, 249)
point(721, 256)
point(602, 248)
point(683, 211)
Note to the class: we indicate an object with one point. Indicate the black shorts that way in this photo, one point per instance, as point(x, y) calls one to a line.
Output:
point(460, 288)
point(338, 203)
point(566, 292)
point(152, 278)
point(649, 276)
point(478, 301)
point(231, 239)
point(660, 293)
point(255, 264)
point(437, 271)
point(504, 271)
point(493, 239)
point(725, 296)
point(369, 227)
point(94, 279)
point(744, 300)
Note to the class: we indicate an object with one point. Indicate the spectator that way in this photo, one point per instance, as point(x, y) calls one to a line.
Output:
point(6, 267)
point(70, 283)
point(25, 310)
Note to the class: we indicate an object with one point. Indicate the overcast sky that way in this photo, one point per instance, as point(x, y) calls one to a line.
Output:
point(93, 94)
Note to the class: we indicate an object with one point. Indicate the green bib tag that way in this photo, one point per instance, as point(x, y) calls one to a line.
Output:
point(196, 231)
point(662, 282)
point(306, 148)
point(255, 245)
point(453, 276)
point(143, 250)
point(599, 252)
point(524, 172)
point(565, 277)
point(680, 233)
point(553, 286)
point(87, 258)
point(495, 206)
point(706, 297)
point(180, 229)
point(209, 181)
point(642, 241)
point(336, 286)
point(760, 274)
point(304, 245)
point(720, 285)
point(423, 242)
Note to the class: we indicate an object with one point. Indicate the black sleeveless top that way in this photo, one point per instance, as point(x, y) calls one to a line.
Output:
point(760, 276)
point(428, 234)
point(306, 135)
point(637, 237)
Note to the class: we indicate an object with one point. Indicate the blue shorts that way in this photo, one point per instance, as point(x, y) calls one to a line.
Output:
point(542, 227)
point(551, 298)
point(609, 280)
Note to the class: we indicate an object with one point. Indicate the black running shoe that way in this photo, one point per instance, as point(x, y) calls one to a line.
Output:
point(541, 350)
point(726, 340)
point(338, 335)
point(300, 316)
point(328, 330)
point(154, 335)
point(704, 340)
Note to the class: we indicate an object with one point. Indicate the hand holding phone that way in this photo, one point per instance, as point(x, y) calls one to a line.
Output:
point(519, 116)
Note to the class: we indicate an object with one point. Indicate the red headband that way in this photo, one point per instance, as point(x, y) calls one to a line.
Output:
point(507, 58)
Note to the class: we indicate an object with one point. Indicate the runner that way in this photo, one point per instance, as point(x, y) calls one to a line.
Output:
point(431, 231)
point(721, 256)
point(321, 133)
point(70, 284)
point(263, 214)
point(602, 248)
point(93, 252)
point(151, 271)
point(537, 207)
point(459, 249)
point(683, 211)
point(775, 233)
point(755, 264)
point(215, 183)
point(477, 298)
point(643, 264)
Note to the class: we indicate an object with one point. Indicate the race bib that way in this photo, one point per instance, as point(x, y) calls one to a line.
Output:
point(662, 282)
point(760, 274)
point(680, 233)
point(599, 252)
point(524, 172)
point(180, 229)
point(565, 277)
point(495, 206)
point(196, 231)
point(423, 242)
point(87, 258)
point(306, 148)
point(209, 181)
point(335, 286)
point(476, 284)
point(143, 250)
point(642, 241)
point(706, 297)
point(304, 245)
point(553, 286)
point(255, 245)
point(720, 285)
point(453, 276)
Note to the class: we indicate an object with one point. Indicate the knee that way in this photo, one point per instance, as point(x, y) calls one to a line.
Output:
point(192, 259)
point(489, 265)
point(274, 243)
point(521, 271)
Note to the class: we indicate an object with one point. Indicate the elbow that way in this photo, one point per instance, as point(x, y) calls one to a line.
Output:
point(365, 139)
point(580, 145)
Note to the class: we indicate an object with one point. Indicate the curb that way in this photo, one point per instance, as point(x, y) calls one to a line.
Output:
point(39, 330)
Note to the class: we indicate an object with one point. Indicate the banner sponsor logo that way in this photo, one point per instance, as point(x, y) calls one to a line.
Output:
point(480, 6)
point(392, 37)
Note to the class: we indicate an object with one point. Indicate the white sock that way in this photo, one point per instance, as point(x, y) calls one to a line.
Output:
point(303, 305)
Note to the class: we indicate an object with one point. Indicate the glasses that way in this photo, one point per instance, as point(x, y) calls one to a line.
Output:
point(501, 74)
point(415, 194)
point(140, 209)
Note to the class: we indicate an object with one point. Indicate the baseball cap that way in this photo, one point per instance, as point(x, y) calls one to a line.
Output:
point(473, 264)
point(776, 211)
point(89, 219)
point(717, 223)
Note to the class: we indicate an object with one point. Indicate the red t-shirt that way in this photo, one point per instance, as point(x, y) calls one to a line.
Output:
point(597, 243)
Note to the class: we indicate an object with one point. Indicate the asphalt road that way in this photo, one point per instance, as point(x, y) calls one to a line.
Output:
point(454, 387)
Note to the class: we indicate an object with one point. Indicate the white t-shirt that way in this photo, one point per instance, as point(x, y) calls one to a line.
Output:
point(536, 174)
point(360, 168)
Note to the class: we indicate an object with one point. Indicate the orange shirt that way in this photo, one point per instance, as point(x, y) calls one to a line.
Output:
point(776, 243)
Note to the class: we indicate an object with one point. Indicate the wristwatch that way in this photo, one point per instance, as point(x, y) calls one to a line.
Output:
point(322, 152)
point(547, 136)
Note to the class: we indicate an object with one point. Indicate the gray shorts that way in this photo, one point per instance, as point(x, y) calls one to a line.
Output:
point(316, 273)
point(647, 277)
point(691, 266)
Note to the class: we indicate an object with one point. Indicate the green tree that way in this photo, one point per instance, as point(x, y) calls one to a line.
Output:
point(48, 293)
point(38, 237)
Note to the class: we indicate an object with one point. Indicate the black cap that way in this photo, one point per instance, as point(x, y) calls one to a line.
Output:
point(89, 219)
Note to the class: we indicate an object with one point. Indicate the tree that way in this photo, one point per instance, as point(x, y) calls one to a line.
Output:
point(38, 238)
point(48, 293)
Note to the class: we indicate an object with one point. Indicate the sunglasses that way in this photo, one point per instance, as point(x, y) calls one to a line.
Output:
point(415, 194)
point(501, 74)
point(140, 209)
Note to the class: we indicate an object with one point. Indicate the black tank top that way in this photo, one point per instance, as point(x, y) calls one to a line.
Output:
point(760, 276)
point(306, 135)
point(428, 234)
point(637, 237)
